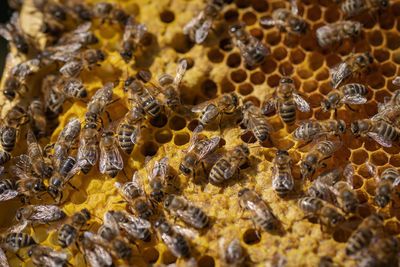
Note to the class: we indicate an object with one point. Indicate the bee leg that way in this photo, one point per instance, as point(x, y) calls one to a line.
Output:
point(309, 141)
point(335, 113)
point(352, 109)
point(71, 185)
point(19, 257)
point(108, 116)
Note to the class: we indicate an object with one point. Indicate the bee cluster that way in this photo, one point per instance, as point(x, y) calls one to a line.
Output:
point(260, 157)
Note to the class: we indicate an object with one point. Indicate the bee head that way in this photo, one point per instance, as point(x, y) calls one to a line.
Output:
point(325, 105)
point(281, 152)
point(235, 99)
point(241, 192)
point(168, 201)
point(286, 80)
point(39, 186)
point(106, 134)
point(306, 168)
point(9, 94)
point(342, 126)
point(235, 28)
point(160, 222)
point(126, 54)
point(100, 54)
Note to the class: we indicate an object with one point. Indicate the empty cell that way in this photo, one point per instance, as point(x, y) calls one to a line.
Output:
point(231, 15)
point(359, 156)
point(242, 3)
point(388, 69)
point(251, 237)
point(167, 16)
point(269, 65)
point(273, 38)
point(209, 88)
point(148, 149)
point(181, 139)
point(181, 43)
point(310, 86)
point(304, 73)
point(177, 123)
point(273, 80)
point(381, 55)
point(375, 38)
point(297, 56)
point(234, 60)
point(163, 136)
point(249, 18)
point(314, 13)
point(238, 76)
point(215, 56)
point(206, 261)
point(331, 14)
point(392, 40)
point(259, 5)
point(279, 53)
point(226, 44)
point(257, 77)
point(245, 89)
point(375, 80)
point(315, 60)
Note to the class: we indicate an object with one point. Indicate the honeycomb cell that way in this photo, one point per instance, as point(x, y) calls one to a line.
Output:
point(249, 18)
point(245, 89)
point(177, 123)
point(248, 137)
point(231, 15)
point(380, 95)
point(315, 60)
point(304, 73)
point(375, 80)
point(392, 41)
point(357, 182)
point(259, 5)
point(258, 33)
point(238, 76)
point(341, 236)
point(322, 75)
point(314, 13)
point(181, 139)
point(168, 257)
point(149, 149)
point(297, 56)
point(279, 53)
point(167, 16)
point(388, 69)
point(308, 42)
point(257, 78)
point(386, 22)
point(209, 88)
point(396, 57)
point(371, 146)
point(206, 261)
point(251, 237)
point(395, 160)
point(163, 136)
point(332, 60)
point(375, 38)
point(273, 38)
point(226, 44)
point(381, 55)
point(226, 86)
point(181, 43)
point(150, 255)
point(159, 121)
point(269, 65)
point(273, 80)
point(331, 14)
point(215, 56)
point(310, 86)
point(358, 157)
point(242, 3)
point(234, 60)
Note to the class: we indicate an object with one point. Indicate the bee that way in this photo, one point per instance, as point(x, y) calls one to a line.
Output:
point(70, 229)
point(136, 197)
point(12, 242)
point(51, 9)
point(261, 215)
point(8, 189)
point(87, 150)
point(80, 10)
point(119, 244)
point(17, 75)
point(132, 38)
point(52, 27)
point(352, 93)
point(186, 211)
point(13, 33)
point(95, 254)
point(396, 81)
point(45, 256)
point(110, 158)
point(345, 195)
point(108, 11)
point(234, 254)
point(285, 101)
point(196, 152)
point(158, 179)
point(175, 240)
point(254, 121)
point(53, 98)
point(4, 156)
point(40, 214)
point(211, 109)
point(382, 132)
point(326, 213)
point(389, 111)
point(40, 165)
point(389, 179)
point(282, 178)
point(382, 252)
point(97, 104)
point(352, 65)
point(81, 35)
point(287, 20)
point(129, 129)
point(353, 7)
point(313, 159)
point(66, 87)
point(337, 32)
point(251, 49)
point(320, 187)
point(228, 165)
point(36, 112)
point(170, 86)
point(362, 236)
point(65, 141)
point(78, 60)
point(134, 227)
point(143, 96)
point(198, 28)
point(9, 129)
point(313, 130)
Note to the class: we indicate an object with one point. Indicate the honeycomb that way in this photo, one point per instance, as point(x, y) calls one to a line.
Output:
point(216, 67)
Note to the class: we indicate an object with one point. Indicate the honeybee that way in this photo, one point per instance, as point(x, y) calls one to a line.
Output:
point(337, 32)
point(16, 76)
point(134, 227)
point(80, 10)
point(53, 99)
point(382, 132)
point(4, 156)
point(8, 189)
point(119, 244)
point(251, 49)
point(261, 215)
point(211, 109)
point(67, 87)
point(110, 158)
point(41, 165)
point(129, 129)
point(81, 35)
point(353, 7)
point(97, 104)
point(78, 60)
point(313, 130)
point(13, 33)
point(70, 229)
point(132, 39)
point(285, 101)
point(175, 240)
point(362, 236)
point(143, 96)
point(352, 93)
point(352, 65)
point(51, 9)
point(9, 129)
point(288, 20)
point(234, 254)
point(45, 256)
point(345, 195)
point(313, 159)
point(37, 117)
point(186, 211)
point(108, 11)
point(40, 214)
point(196, 152)
point(136, 197)
point(65, 141)
point(52, 27)
point(254, 121)
point(282, 179)
point(326, 213)
point(158, 179)
point(396, 81)
point(320, 187)
point(87, 150)
point(95, 254)
point(381, 252)
point(228, 165)
point(389, 179)
point(12, 242)
point(389, 111)
point(197, 28)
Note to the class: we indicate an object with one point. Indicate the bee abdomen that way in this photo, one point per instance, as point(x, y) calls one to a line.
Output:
point(387, 130)
point(310, 204)
point(287, 112)
point(390, 174)
point(200, 219)
point(66, 235)
point(360, 239)
point(19, 240)
point(6, 184)
point(217, 171)
point(124, 138)
point(4, 157)
point(8, 137)
point(182, 245)
point(261, 132)
point(151, 107)
point(306, 131)
point(355, 88)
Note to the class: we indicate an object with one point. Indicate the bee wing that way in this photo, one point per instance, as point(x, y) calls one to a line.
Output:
point(371, 169)
point(135, 135)
point(302, 105)
point(3, 259)
point(385, 142)
point(76, 65)
point(8, 194)
point(396, 81)
point(110, 221)
point(160, 168)
point(230, 171)
point(330, 177)
point(354, 99)
point(84, 27)
point(192, 23)
point(180, 72)
point(5, 33)
point(47, 213)
point(293, 7)
point(268, 106)
point(267, 21)
point(170, 242)
point(25, 68)
point(202, 106)
point(396, 182)
point(66, 53)
point(285, 179)
point(103, 160)
point(210, 147)
point(339, 73)
point(252, 123)
point(348, 174)
point(195, 137)
point(117, 161)
point(202, 32)
point(383, 111)
point(189, 233)
point(99, 254)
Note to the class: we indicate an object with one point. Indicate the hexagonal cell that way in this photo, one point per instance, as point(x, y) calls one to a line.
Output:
point(177, 123)
point(310, 86)
point(273, 38)
point(279, 53)
point(234, 60)
point(371, 145)
point(209, 88)
point(269, 65)
point(181, 139)
point(359, 156)
point(251, 237)
point(392, 41)
point(331, 14)
point(395, 160)
point(381, 55)
point(206, 261)
point(315, 60)
point(297, 56)
point(245, 89)
point(163, 136)
point(273, 80)
point(341, 236)
point(314, 13)
point(375, 80)
point(226, 44)
point(257, 78)
point(148, 149)
point(388, 69)
point(242, 3)
point(259, 5)
point(258, 33)
point(387, 21)
point(167, 16)
point(238, 76)
point(215, 55)
point(304, 73)
point(357, 181)
point(226, 86)
point(249, 18)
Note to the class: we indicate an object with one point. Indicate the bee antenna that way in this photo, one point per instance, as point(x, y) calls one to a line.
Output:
point(317, 114)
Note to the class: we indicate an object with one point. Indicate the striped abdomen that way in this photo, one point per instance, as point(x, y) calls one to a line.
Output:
point(358, 240)
point(150, 105)
point(352, 7)
point(125, 132)
point(67, 235)
point(198, 218)
point(310, 205)
point(8, 137)
point(287, 111)
point(261, 130)
point(282, 187)
point(14, 241)
point(216, 175)
point(386, 130)
point(307, 131)
point(326, 148)
point(4, 157)
point(354, 89)
point(7, 184)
